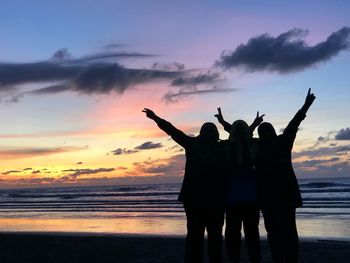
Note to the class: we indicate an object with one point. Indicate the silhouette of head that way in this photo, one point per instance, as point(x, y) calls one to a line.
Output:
point(266, 131)
point(209, 132)
point(239, 131)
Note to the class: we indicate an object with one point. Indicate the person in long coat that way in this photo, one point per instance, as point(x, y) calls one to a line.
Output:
point(241, 204)
point(278, 189)
point(202, 192)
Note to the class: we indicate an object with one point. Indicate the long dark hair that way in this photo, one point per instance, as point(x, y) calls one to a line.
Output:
point(242, 150)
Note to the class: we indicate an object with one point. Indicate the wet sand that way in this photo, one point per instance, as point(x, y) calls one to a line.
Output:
point(71, 247)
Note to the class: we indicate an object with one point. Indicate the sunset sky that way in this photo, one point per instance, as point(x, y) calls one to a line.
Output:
point(75, 75)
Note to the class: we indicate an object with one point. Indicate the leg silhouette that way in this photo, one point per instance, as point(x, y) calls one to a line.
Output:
point(272, 222)
point(195, 236)
point(233, 233)
point(282, 234)
point(291, 237)
point(214, 229)
point(251, 232)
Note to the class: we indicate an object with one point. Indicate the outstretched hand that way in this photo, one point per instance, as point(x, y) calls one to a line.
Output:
point(219, 115)
point(149, 113)
point(258, 119)
point(310, 97)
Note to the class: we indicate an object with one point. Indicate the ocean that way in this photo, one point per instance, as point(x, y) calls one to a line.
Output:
point(154, 209)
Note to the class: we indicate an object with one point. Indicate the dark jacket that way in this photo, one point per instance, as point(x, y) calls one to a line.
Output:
point(241, 186)
point(276, 180)
point(205, 169)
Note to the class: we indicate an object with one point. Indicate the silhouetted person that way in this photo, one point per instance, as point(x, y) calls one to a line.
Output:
point(242, 205)
point(202, 189)
point(278, 189)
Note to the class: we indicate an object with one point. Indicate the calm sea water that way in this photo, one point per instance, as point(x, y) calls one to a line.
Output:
point(154, 209)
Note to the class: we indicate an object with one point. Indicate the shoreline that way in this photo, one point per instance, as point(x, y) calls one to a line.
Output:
point(309, 229)
point(142, 235)
point(106, 247)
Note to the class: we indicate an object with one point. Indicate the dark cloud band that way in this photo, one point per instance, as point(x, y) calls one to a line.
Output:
point(343, 134)
point(284, 53)
point(144, 146)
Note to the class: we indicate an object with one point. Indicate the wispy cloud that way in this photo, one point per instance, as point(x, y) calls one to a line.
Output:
point(321, 151)
point(201, 78)
point(74, 173)
point(335, 135)
point(64, 56)
point(336, 169)
point(11, 172)
point(84, 181)
point(175, 66)
point(32, 181)
point(114, 46)
point(99, 73)
point(99, 78)
point(173, 96)
point(144, 146)
point(123, 151)
point(28, 152)
point(209, 82)
point(149, 145)
point(315, 162)
point(326, 161)
point(175, 148)
point(172, 166)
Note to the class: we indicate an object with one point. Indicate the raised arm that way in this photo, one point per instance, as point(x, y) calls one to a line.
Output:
point(293, 125)
point(177, 135)
point(310, 97)
point(225, 124)
point(256, 122)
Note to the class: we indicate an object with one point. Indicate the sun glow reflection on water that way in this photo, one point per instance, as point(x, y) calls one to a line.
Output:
point(309, 228)
point(124, 225)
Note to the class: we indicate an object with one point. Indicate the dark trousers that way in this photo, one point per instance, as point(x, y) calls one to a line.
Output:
point(199, 219)
point(282, 233)
point(248, 215)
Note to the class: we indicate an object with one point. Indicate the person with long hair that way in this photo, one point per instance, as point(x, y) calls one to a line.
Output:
point(241, 202)
point(278, 188)
point(202, 192)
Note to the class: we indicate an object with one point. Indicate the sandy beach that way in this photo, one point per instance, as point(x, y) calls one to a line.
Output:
point(68, 247)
